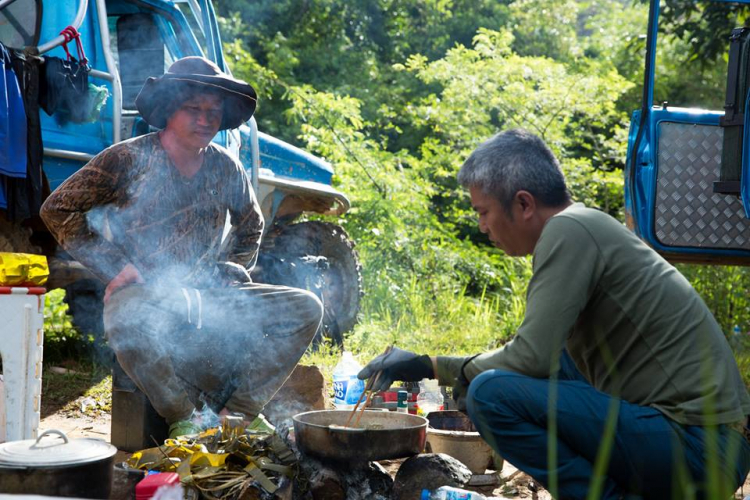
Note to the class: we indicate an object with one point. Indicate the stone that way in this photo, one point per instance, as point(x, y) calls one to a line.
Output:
point(428, 471)
point(304, 390)
point(371, 482)
point(484, 480)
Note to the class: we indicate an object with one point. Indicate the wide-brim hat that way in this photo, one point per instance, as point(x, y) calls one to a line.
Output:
point(191, 75)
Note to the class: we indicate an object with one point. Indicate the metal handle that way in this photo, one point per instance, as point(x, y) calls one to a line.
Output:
point(51, 431)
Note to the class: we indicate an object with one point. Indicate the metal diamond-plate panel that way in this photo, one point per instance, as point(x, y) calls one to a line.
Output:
point(687, 212)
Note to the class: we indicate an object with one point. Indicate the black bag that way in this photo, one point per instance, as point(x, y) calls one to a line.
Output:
point(64, 90)
point(733, 120)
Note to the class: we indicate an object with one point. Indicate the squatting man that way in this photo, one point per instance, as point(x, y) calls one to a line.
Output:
point(612, 332)
point(147, 216)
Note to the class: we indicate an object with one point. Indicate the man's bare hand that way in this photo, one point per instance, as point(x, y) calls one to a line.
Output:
point(232, 273)
point(128, 275)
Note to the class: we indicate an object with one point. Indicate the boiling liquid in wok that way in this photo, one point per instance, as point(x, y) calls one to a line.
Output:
point(371, 426)
point(370, 420)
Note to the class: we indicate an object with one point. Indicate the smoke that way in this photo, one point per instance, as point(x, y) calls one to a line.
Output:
point(206, 417)
point(191, 329)
point(230, 344)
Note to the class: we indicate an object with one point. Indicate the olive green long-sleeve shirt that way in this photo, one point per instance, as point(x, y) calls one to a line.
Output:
point(130, 204)
point(631, 322)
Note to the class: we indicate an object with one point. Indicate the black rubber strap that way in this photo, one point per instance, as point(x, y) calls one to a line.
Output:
point(462, 376)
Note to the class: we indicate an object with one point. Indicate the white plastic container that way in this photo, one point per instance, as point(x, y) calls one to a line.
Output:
point(347, 388)
point(21, 339)
point(2, 410)
point(429, 398)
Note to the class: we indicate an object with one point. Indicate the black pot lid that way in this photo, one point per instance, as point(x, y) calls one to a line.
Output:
point(54, 449)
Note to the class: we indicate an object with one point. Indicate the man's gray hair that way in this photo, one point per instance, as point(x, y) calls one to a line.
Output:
point(512, 161)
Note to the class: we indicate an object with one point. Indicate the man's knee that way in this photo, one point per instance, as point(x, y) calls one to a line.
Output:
point(310, 311)
point(128, 314)
point(487, 391)
point(119, 315)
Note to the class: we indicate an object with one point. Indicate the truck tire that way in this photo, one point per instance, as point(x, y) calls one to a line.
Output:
point(320, 257)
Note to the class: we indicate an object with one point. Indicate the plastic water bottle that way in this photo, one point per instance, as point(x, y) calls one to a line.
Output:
point(451, 493)
point(346, 386)
point(429, 398)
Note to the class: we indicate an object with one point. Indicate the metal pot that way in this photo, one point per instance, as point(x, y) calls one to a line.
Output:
point(57, 467)
point(381, 435)
point(453, 433)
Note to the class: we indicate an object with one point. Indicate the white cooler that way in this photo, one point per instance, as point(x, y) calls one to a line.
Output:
point(21, 340)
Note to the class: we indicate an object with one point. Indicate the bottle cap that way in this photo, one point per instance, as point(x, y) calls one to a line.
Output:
point(425, 495)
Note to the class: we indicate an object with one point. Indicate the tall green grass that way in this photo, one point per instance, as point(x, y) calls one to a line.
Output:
point(431, 317)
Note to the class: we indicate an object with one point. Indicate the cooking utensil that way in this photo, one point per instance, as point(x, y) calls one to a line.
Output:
point(359, 400)
point(57, 467)
point(368, 390)
point(382, 435)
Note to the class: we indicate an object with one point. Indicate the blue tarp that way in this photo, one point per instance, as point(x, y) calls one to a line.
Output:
point(12, 126)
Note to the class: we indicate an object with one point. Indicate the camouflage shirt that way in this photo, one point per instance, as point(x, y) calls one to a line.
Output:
point(130, 204)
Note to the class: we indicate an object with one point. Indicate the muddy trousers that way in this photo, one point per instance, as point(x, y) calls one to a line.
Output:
point(225, 348)
point(649, 456)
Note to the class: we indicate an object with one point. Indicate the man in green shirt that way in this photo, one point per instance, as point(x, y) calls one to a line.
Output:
point(649, 358)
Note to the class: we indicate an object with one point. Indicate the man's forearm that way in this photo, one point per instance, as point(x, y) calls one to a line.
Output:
point(449, 368)
point(71, 231)
point(100, 257)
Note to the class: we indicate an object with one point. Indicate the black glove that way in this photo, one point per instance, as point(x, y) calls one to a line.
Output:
point(460, 389)
point(461, 386)
point(397, 365)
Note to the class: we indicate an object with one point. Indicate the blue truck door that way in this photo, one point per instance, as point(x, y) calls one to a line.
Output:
point(674, 158)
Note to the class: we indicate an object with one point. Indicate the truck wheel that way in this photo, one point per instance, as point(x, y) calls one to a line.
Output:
point(320, 257)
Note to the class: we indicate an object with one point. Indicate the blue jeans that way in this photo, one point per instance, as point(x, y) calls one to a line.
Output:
point(650, 455)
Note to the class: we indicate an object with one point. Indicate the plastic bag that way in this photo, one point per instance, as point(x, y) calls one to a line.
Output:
point(23, 269)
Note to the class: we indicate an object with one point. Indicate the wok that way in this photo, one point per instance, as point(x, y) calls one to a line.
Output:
point(381, 435)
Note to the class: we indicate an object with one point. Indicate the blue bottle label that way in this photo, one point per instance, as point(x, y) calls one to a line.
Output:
point(354, 389)
point(339, 390)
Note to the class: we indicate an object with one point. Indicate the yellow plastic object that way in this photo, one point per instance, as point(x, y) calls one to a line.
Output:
point(23, 269)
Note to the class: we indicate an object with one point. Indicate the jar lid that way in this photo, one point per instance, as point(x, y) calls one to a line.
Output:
point(54, 451)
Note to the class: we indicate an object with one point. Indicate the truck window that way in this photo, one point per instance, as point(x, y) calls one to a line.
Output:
point(140, 52)
point(193, 23)
point(705, 88)
point(20, 23)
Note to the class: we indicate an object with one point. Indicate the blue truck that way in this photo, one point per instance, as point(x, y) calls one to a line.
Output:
point(687, 176)
point(126, 41)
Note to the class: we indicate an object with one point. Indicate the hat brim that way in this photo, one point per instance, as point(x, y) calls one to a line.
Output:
point(153, 101)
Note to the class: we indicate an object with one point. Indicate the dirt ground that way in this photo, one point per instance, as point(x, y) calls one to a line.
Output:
point(513, 483)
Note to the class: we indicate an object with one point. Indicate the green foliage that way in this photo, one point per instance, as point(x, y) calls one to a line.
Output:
point(544, 28)
point(396, 112)
point(724, 290)
point(57, 325)
point(397, 93)
point(699, 22)
point(61, 339)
